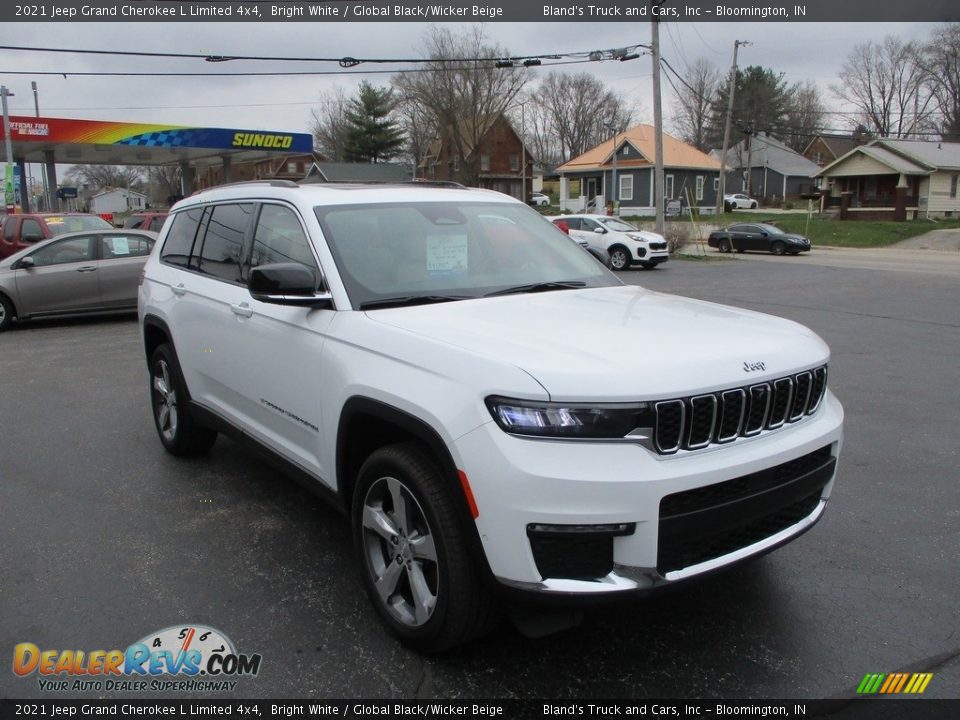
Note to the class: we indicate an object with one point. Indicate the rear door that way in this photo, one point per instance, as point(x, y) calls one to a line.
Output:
point(122, 256)
point(63, 278)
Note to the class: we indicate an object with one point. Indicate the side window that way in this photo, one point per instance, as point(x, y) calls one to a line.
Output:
point(279, 238)
point(223, 241)
point(588, 225)
point(573, 223)
point(30, 230)
point(74, 250)
point(179, 243)
point(8, 230)
point(123, 246)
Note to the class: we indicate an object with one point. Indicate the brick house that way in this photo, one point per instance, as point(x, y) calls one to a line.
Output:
point(488, 155)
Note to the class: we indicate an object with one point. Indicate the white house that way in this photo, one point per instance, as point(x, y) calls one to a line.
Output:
point(117, 200)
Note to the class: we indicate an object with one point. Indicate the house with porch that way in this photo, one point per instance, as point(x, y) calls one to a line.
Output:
point(691, 177)
point(894, 180)
point(825, 148)
point(763, 167)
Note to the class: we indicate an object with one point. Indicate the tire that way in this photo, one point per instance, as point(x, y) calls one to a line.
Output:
point(753, 205)
point(6, 313)
point(620, 258)
point(420, 574)
point(723, 246)
point(778, 248)
point(179, 432)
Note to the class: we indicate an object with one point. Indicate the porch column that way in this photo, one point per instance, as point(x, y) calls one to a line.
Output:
point(900, 200)
point(844, 204)
point(564, 192)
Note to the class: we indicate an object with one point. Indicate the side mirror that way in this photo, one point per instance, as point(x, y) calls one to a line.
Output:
point(27, 262)
point(600, 231)
point(287, 284)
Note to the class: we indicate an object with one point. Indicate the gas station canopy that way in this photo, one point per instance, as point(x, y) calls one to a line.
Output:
point(95, 142)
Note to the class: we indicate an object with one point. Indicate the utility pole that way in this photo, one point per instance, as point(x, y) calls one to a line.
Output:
point(658, 180)
point(731, 88)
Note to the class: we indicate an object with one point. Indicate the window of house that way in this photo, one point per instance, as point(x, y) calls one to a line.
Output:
point(456, 163)
point(484, 163)
point(626, 187)
point(291, 167)
point(514, 162)
point(668, 187)
point(953, 186)
point(626, 149)
point(716, 184)
point(700, 179)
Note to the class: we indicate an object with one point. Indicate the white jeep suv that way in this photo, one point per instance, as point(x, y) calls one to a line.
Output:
point(474, 392)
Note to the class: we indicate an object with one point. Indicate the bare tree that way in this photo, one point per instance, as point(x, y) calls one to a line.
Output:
point(940, 58)
point(98, 177)
point(535, 122)
point(329, 124)
point(420, 129)
point(577, 110)
point(886, 84)
point(694, 97)
point(805, 115)
point(462, 89)
point(165, 182)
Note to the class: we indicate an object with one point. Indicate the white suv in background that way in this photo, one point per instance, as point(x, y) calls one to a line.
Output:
point(626, 244)
point(475, 393)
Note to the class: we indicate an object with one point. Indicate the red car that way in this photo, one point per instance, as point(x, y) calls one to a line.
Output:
point(21, 230)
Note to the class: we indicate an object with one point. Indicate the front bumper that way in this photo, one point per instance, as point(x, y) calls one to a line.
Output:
point(520, 484)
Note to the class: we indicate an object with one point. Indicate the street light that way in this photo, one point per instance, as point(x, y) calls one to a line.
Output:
point(43, 169)
point(8, 191)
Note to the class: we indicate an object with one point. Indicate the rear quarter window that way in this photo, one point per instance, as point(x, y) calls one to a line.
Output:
point(179, 243)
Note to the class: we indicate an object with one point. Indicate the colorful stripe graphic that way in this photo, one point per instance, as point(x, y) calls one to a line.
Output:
point(894, 683)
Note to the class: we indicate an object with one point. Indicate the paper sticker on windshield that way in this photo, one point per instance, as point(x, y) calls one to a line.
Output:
point(446, 254)
point(121, 246)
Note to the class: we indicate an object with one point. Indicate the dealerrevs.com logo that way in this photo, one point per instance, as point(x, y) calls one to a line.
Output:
point(189, 658)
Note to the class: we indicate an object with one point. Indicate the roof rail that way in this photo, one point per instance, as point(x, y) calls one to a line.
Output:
point(275, 182)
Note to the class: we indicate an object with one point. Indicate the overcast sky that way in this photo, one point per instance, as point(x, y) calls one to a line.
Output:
point(802, 51)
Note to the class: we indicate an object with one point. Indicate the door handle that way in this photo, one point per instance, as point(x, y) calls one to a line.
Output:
point(86, 268)
point(243, 310)
point(179, 289)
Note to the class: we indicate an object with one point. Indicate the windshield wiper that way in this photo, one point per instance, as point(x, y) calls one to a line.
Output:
point(411, 300)
point(539, 287)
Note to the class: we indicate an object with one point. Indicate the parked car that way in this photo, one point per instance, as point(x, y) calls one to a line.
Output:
point(757, 236)
point(625, 244)
point(741, 201)
point(152, 221)
point(599, 253)
point(72, 274)
point(490, 408)
point(22, 230)
point(539, 200)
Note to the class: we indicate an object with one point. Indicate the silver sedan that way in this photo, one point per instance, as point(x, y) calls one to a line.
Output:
point(76, 273)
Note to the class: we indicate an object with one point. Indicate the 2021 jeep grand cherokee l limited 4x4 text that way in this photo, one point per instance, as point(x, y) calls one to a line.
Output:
point(471, 389)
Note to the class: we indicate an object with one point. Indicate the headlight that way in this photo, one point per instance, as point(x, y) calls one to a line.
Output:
point(638, 238)
point(588, 421)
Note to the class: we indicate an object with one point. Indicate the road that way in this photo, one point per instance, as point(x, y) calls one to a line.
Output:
point(105, 538)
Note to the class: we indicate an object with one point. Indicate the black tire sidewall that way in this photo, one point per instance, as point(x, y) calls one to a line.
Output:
point(7, 313)
point(393, 461)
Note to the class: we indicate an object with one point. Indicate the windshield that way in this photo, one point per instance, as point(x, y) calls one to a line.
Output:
point(617, 225)
point(451, 251)
point(60, 224)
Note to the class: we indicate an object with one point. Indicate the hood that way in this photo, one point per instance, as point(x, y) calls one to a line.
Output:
point(617, 343)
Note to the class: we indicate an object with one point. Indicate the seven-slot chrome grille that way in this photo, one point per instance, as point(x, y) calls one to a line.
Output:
point(696, 422)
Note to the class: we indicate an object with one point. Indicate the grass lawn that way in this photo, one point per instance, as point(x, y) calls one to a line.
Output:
point(849, 233)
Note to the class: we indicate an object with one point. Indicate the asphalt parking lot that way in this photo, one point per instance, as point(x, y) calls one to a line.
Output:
point(105, 538)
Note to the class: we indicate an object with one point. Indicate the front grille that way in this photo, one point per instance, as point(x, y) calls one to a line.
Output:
point(658, 246)
point(709, 522)
point(695, 422)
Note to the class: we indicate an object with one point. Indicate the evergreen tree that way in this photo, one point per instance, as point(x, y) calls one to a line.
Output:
point(761, 103)
point(371, 135)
